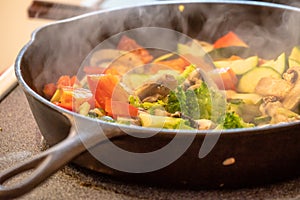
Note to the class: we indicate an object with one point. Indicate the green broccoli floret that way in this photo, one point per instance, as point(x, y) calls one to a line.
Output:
point(184, 75)
point(177, 101)
point(246, 110)
point(200, 103)
point(135, 101)
point(233, 120)
point(212, 103)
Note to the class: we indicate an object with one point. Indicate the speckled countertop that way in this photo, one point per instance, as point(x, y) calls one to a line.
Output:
point(20, 139)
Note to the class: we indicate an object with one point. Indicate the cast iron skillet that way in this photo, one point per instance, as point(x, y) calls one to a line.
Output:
point(252, 156)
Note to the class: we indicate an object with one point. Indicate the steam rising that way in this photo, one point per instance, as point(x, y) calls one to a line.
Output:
point(60, 48)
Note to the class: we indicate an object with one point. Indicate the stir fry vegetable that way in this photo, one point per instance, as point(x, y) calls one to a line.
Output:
point(174, 93)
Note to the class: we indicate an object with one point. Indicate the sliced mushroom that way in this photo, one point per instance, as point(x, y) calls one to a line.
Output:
point(205, 124)
point(195, 78)
point(158, 89)
point(193, 123)
point(269, 105)
point(200, 124)
point(272, 107)
point(291, 75)
point(269, 86)
point(292, 99)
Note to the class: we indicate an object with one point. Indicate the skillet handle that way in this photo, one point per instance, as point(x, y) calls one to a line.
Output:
point(43, 166)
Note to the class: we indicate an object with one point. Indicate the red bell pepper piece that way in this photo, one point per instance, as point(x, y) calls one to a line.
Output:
point(225, 78)
point(106, 87)
point(120, 108)
point(49, 90)
point(112, 70)
point(66, 81)
point(178, 64)
point(102, 87)
point(230, 39)
point(128, 44)
point(71, 98)
point(63, 97)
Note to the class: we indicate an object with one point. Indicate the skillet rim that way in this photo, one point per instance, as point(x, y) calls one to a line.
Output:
point(170, 132)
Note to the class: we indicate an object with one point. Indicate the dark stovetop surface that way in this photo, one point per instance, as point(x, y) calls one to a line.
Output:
point(20, 138)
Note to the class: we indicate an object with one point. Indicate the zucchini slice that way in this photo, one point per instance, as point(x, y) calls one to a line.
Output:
point(295, 54)
point(227, 52)
point(238, 66)
point(293, 63)
point(279, 64)
point(249, 80)
point(294, 58)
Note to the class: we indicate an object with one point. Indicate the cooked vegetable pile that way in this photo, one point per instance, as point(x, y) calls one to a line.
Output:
point(171, 90)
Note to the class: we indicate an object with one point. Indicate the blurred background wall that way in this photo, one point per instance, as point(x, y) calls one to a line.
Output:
point(16, 26)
